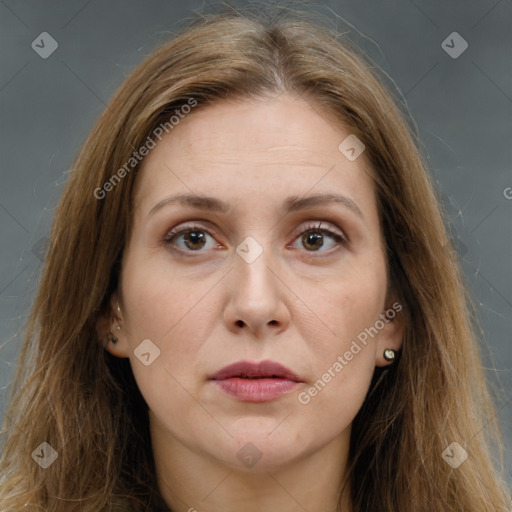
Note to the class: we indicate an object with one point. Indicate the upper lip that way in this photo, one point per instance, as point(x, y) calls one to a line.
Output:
point(262, 369)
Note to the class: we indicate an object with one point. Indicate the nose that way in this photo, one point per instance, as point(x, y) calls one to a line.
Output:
point(257, 301)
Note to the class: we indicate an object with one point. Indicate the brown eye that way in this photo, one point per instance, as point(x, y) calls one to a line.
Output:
point(313, 240)
point(194, 240)
point(321, 239)
point(190, 239)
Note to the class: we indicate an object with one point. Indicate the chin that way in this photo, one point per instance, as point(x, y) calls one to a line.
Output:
point(259, 450)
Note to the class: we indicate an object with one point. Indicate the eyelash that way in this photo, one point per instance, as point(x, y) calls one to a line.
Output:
point(187, 228)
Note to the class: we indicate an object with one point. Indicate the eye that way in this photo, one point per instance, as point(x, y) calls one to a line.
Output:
point(193, 238)
point(313, 238)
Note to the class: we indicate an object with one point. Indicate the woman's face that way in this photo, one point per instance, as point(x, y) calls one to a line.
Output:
point(269, 276)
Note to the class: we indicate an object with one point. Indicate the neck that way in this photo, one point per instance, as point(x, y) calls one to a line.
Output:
point(194, 482)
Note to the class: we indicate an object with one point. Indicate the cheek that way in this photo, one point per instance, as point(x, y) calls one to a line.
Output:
point(345, 308)
point(331, 403)
point(176, 313)
point(159, 299)
point(344, 356)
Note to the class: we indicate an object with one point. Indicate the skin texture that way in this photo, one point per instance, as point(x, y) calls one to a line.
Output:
point(299, 305)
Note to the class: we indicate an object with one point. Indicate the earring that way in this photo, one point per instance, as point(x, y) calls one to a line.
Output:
point(118, 309)
point(113, 339)
point(389, 354)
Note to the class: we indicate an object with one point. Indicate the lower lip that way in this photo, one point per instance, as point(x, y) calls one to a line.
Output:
point(256, 390)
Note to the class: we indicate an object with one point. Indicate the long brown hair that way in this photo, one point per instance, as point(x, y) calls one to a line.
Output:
point(70, 393)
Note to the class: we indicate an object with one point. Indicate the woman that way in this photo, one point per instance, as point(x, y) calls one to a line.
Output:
point(251, 234)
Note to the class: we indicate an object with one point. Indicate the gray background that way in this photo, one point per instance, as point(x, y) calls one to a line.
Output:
point(462, 107)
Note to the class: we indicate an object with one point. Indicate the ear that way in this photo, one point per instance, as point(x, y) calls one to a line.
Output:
point(109, 327)
point(391, 335)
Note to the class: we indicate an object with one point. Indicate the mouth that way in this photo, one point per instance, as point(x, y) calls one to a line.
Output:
point(261, 370)
point(255, 382)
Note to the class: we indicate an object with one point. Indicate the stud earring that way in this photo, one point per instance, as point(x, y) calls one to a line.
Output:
point(113, 339)
point(389, 354)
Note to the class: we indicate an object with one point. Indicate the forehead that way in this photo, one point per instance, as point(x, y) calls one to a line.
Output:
point(250, 148)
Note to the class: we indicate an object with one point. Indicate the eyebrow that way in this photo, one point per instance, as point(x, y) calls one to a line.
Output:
point(291, 204)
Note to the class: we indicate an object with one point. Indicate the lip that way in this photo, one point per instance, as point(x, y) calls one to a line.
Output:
point(256, 382)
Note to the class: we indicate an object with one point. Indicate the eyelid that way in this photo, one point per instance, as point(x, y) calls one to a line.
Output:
point(320, 225)
point(184, 228)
